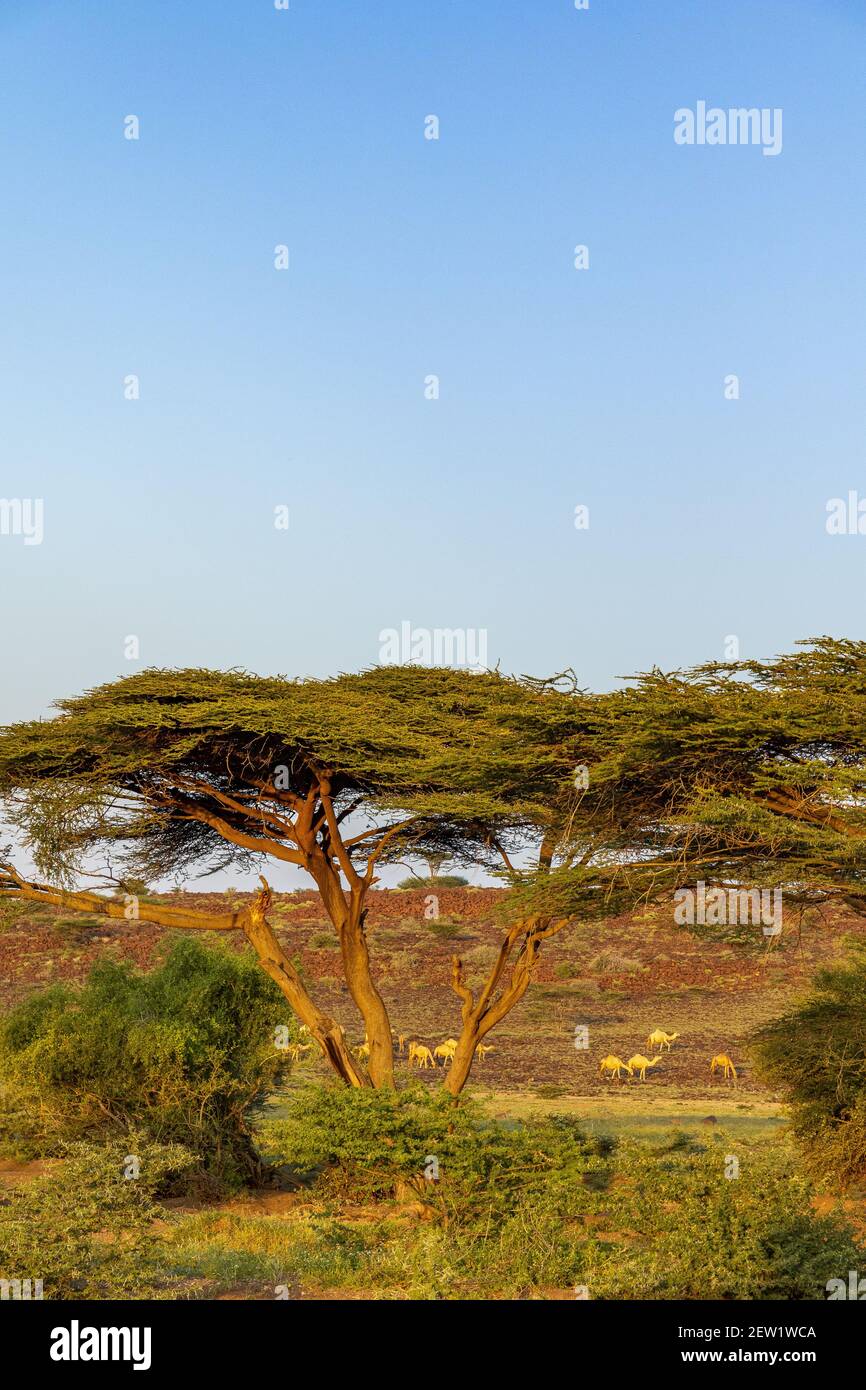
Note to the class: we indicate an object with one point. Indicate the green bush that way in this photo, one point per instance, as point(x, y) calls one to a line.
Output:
point(523, 1208)
point(182, 1053)
point(815, 1055)
point(445, 927)
point(324, 941)
point(360, 1145)
point(74, 930)
point(430, 882)
point(86, 1230)
point(687, 1231)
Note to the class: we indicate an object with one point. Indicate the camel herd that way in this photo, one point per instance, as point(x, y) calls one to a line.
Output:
point(417, 1052)
point(611, 1066)
point(444, 1052)
point(615, 1066)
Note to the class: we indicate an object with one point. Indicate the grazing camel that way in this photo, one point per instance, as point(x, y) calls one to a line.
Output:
point(446, 1050)
point(482, 1050)
point(723, 1061)
point(639, 1064)
point(615, 1064)
point(422, 1055)
point(661, 1039)
point(295, 1049)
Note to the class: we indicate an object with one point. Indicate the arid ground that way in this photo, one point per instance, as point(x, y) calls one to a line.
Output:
point(620, 979)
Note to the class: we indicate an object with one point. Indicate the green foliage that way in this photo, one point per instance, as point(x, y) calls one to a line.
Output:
point(14, 914)
point(522, 1208)
point(86, 1230)
point(518, 1211)
point(76, 929)
point(748, 773)
point(182, 1053)
point(363, 1144)
point(444, 927)
point(134, 887)
point(698, 1235)
point(815, 1055)
point(466, 754)
point(736, 773)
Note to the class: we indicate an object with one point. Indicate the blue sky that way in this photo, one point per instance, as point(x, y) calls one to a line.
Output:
point(411, 257)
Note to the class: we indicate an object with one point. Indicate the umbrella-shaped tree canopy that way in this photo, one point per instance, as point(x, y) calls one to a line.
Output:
point(172, 772)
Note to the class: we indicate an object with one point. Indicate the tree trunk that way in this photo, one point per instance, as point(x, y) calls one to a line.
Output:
point(348, 920)
point(458, 1072)
point(327, 1033)
point(377, 1024)
point(482, 1014)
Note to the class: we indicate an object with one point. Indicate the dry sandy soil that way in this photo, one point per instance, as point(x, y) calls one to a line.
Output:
point(621, 979)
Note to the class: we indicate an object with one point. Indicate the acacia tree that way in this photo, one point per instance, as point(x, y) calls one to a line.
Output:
point(739, 773)
point(166, 773)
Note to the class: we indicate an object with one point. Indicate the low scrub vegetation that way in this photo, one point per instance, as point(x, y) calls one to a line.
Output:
point(514, 1211)
point(138, 1086)
point(88, 1229)
point(182, 1054)
point(815, 1055)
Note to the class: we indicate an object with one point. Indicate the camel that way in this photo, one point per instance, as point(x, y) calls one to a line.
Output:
point(295, 1050)
point(615, 1064)
point(482, 1050)
point(639, 1064)
point(723, 1061)
point(661, 1039)
point(422, 1055)
point(446, 1050)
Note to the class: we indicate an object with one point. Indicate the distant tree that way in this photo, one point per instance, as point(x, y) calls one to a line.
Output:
point(435, 863)
point(434, 881)
point(435, 878)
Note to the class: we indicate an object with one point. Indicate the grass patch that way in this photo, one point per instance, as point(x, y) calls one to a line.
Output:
point(324, 941)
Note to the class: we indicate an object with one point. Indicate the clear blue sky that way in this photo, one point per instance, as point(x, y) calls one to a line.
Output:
point(410, 257)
